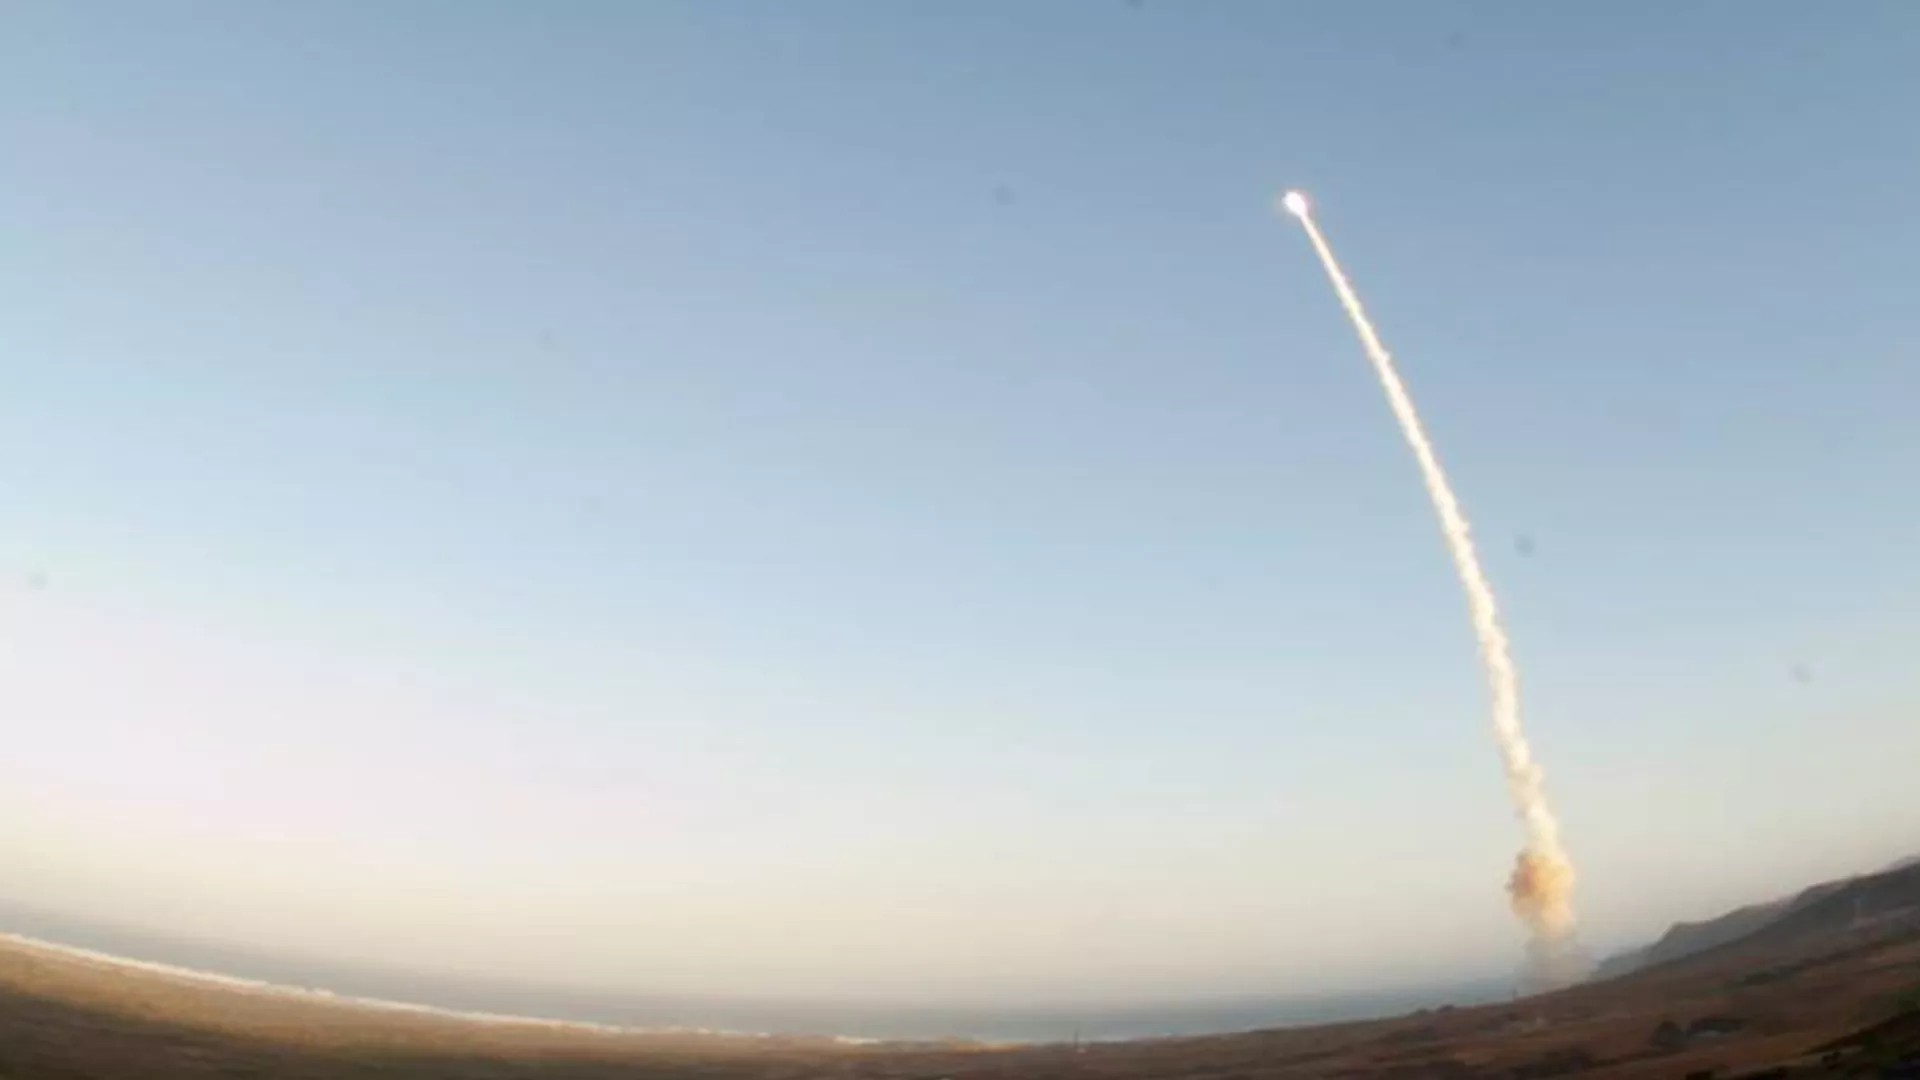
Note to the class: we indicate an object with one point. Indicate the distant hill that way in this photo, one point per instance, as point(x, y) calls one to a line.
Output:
point(1685, 939)
point(1838, 907)
point(1829, 907)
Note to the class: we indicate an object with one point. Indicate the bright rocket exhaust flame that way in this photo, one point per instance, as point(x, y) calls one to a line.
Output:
point(1541, 886)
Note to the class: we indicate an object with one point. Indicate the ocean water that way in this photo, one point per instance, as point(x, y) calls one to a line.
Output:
point(878, 1021)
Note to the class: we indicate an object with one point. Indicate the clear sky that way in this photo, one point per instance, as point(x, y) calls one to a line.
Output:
point(866, 498)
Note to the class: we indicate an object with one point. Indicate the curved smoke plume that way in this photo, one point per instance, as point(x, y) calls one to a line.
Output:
point(1541, 887)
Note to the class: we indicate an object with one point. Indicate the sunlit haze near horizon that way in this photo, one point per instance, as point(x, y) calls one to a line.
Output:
point(851, 500)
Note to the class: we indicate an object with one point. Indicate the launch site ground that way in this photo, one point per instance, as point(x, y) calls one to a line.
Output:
point(1820, 991)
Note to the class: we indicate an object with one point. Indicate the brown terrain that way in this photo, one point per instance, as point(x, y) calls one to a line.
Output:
point(1829, 986)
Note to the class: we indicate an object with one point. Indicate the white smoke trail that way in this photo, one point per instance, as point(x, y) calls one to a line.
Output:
point(1541, 887)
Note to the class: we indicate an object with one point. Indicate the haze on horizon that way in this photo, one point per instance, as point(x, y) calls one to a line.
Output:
point(841, 502)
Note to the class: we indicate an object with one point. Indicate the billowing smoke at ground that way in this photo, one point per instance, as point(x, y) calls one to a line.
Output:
point(1541, 890)
point(1541, 887)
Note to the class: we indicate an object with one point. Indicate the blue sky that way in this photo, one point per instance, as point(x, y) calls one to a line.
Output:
point(854, 498)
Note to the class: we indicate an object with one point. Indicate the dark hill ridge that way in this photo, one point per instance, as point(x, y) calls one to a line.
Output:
point(1872, 900)
point(1688, 938)
point(1827, 908)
